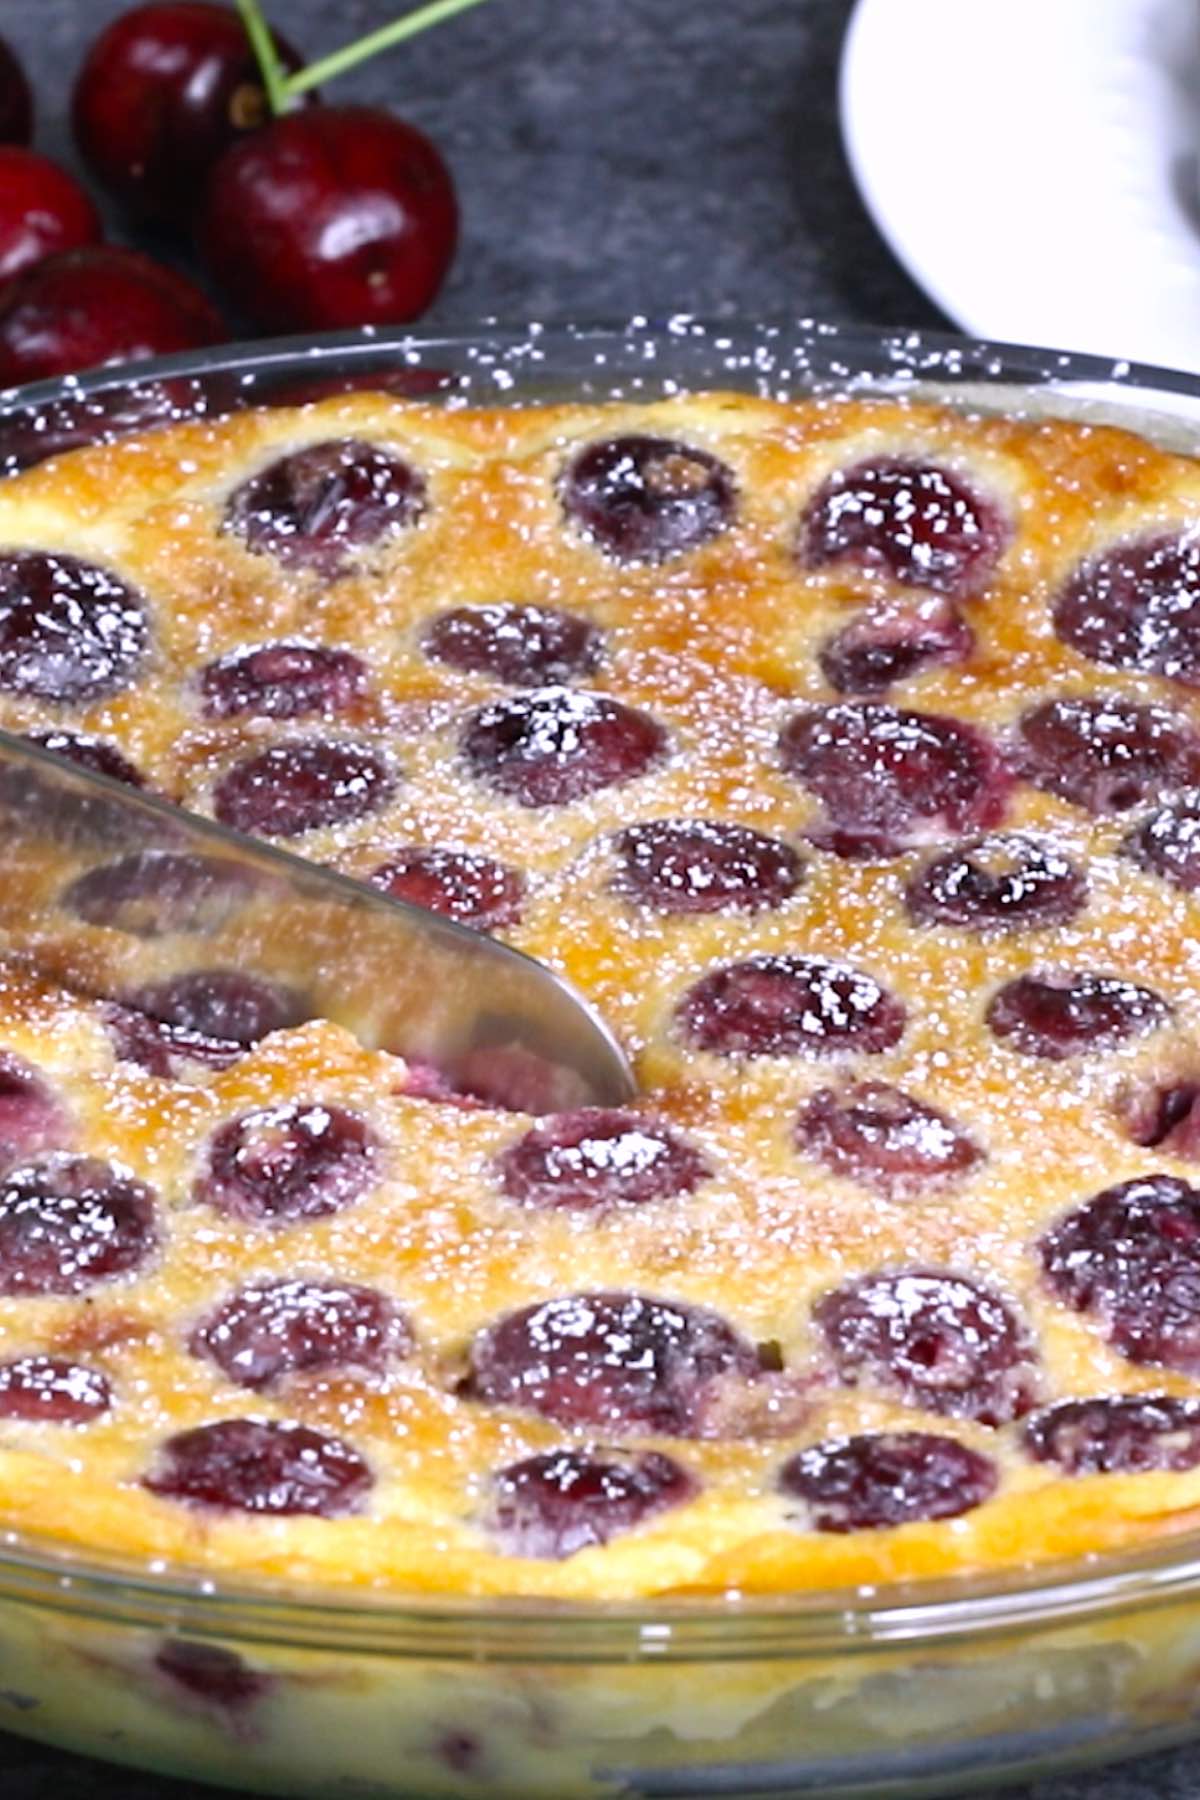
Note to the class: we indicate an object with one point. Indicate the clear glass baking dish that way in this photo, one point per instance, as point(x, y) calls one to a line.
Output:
point(921, 1690)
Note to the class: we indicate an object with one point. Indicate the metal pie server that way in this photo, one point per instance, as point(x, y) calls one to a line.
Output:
point(126, 898)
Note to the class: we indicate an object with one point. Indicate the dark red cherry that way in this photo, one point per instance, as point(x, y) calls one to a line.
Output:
point(886, 1139)
point(1106, 755)
point(302, 786)
point(156, 893)
point(93, 753)
point(86, 820)
point(1131, 1256)
point(211, 1673)
point(1137, 606)
point(317, 507)
point(615, 1362)
point(1163, 1115)
point(264, 1333)
point(644, 499)
point(163, 91)
point(566, 1500)
point(31, 1118)
point(911, 520)
point(211, 1017)
point(16, 100)
point(262, 1466)
point(594, 1159)
point(70, 1222)
point(526, 646)
point(887, 1478)
point(220, 1004)
point(557, 744)
point(790, 1006)
point(50, 1390)
point(1072, 1013)
point(42, 210)
point(335, 216)
point(70, 631)
point(456, 883)
point(297, 1160)
point(1121, 1434)
point(887, 644)
point(887, 777)
point(1002, 883)
point(704, 866)
point(932, 1338)
point(100, 304)
point(162, 1049)
point(282, 681)
point(1168, 842)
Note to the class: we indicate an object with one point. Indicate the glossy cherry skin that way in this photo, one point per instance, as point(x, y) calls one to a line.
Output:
point(16, 100)
point(163, 91)
point(101, 304)
point(336, 216)
point(42, 210)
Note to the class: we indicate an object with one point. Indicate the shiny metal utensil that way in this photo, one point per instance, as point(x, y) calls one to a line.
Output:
point(129, 899)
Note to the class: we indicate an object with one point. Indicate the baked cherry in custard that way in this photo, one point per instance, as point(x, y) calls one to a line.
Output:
point(613, 1362)
point(887, 1139)
point(69, 630)
point(703, 865)
point(472, 889)
point(864, 1483)
point(886, 777)
point(1137, 606)
point(320, 507)
point(556, 745)
point(524, 646)
point(594, 1159)
point(282, 681)
point(302, 785)
point(919, 524)
point(646, 499)
point(945, 1343)
point(566, 1500)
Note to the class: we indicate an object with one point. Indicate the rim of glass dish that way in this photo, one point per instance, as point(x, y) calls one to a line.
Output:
point(494, 363)
point(501, 364)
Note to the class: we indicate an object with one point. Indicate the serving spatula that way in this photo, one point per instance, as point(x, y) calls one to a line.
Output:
point(120, 896)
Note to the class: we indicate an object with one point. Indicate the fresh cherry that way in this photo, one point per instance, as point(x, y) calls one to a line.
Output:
point(335, 216)
point(163, 91)
point(16, 101)
point(100, 304)
point(42, 210)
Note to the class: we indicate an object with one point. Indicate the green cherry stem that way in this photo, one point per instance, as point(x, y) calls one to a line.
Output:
point(282, 89)
point(263, 45)
point(340, 60)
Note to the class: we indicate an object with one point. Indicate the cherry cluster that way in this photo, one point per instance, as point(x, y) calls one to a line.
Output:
point(203, 125)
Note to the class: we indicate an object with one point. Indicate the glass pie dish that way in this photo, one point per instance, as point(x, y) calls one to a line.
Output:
point(914, 1690)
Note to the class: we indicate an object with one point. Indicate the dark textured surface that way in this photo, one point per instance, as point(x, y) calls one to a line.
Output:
point(612, 157)
point(626, 156)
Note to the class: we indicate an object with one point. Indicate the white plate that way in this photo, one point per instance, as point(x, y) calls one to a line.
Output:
point(1034, 164)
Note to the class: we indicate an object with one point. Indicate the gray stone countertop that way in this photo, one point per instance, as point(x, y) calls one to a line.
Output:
point(612, 157)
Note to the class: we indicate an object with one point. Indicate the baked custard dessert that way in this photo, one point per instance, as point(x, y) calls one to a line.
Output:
point(846, 754)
